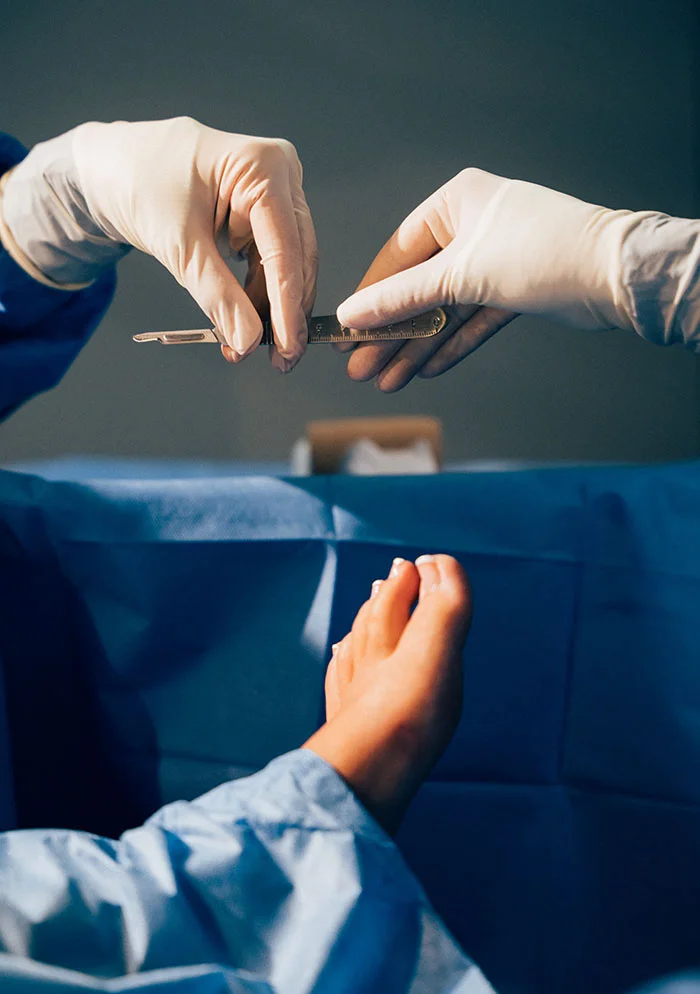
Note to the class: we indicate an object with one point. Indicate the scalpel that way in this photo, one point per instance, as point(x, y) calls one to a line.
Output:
point(325, 328)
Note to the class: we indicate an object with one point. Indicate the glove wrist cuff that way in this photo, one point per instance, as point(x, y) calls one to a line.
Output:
point(48, 221)
point(23, 260)
point(660, 274)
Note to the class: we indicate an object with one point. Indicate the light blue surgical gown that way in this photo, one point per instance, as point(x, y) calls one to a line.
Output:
point(279, 882)
point(276, 882)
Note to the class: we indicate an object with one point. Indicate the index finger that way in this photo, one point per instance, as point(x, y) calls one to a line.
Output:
point(276, 235)
point(413, 242)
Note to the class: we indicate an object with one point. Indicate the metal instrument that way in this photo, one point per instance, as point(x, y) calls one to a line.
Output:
point(323, 329)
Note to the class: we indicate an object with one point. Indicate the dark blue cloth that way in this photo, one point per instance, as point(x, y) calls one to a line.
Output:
point(162, 637)
point(41, 330)
point(687, 984)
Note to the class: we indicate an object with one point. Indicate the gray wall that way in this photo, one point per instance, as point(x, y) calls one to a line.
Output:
point(385, 101)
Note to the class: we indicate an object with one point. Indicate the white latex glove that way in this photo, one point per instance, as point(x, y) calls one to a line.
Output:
point(172, 189)
point(491, 248)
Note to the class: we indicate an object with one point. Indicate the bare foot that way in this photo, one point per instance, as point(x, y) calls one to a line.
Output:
point(394, 685)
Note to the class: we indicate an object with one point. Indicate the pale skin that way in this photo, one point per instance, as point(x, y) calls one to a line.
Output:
point(394, 684)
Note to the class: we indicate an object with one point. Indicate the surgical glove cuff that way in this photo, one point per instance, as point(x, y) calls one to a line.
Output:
point(563, 262)
point(660, 273)
point(20, 258)
point(45, 223)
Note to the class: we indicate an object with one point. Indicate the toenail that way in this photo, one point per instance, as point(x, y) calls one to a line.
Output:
point(335, 647)
point(429, 573)
point(375, 587)
point(395, 565)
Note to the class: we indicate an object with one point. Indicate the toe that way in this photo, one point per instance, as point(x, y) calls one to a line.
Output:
point(344, 661)
point(443, 615)
point(332, 690)
point(358, 632)
point(390, 609)
point(339, 675)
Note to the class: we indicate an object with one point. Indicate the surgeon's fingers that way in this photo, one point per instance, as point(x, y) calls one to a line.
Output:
point(217, 291)
point(305, 225)
point(256, 292)
point(256, 288)
point(276, 234)
point(413, 356)
point(254, 284)
point(395, 367)
point(369, 358)
point(403, 295)
point(413, 242)
point(467, 339)
point(309, 252)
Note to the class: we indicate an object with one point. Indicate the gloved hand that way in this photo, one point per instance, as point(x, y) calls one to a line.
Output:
point(172, 189)
point(491, 248)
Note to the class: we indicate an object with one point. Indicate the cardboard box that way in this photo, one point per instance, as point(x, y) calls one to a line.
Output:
point(330, 440)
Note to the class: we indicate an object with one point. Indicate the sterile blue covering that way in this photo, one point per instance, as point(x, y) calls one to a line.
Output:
point(161, 638)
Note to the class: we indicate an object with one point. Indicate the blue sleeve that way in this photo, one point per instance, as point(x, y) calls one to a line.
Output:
point(279, 882)
point(41, 330)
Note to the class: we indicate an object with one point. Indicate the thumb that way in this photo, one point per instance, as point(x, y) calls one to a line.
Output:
point(217, 291)
point(400, 296)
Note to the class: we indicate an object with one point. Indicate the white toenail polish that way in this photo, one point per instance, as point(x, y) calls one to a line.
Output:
point(375, 586)
point(422, 560)
point(395, 566)
point(334, 647)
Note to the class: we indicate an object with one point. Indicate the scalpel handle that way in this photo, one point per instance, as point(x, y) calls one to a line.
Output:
point(194, 337)
point(323, 329)
point(327, 328)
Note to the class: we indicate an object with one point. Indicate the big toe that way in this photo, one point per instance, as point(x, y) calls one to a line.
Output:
point(443, 615)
